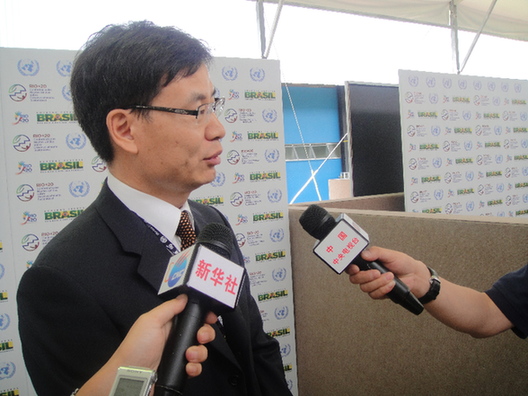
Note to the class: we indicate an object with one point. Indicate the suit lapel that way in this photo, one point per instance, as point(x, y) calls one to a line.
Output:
point(136, 238)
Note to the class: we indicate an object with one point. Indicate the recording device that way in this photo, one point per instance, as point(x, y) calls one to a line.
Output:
point(212, 282)
point(340, 243)
point(133, 381)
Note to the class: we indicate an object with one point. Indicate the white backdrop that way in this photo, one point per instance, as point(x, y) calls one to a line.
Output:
point(464, 144)
point(49, 173)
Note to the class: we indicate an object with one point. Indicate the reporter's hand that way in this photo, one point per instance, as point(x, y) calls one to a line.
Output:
point(143, 346)
point(412, 272)
point(144, 343)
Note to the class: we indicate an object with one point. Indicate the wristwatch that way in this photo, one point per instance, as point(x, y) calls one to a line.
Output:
point(434, 289)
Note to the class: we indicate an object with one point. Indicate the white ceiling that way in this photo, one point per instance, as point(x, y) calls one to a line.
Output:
point(509, 18)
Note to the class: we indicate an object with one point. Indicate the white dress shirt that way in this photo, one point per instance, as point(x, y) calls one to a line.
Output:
point(160, 214)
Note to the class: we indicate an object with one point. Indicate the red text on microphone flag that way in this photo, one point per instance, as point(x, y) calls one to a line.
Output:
point(217, 276)
point(346, 250)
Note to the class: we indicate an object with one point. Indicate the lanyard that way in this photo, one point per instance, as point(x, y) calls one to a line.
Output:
point(163, 239)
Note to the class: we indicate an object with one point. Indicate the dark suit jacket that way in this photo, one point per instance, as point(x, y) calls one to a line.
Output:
point(96, 277)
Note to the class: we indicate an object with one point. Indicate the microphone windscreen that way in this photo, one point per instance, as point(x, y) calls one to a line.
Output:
point(317, 222)
point(218, 238)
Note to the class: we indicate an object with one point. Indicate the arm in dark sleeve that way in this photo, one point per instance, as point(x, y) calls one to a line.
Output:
point(66, 336)
point(510, 294)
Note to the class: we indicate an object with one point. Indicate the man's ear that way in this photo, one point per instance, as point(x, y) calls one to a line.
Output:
point(120, 124)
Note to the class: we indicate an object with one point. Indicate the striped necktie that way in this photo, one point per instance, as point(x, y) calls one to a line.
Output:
point(185, 231)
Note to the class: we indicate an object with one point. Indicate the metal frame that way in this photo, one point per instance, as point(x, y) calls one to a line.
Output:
point(453, 22)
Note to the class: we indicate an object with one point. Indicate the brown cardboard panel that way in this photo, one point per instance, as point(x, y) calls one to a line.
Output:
point(348, 344)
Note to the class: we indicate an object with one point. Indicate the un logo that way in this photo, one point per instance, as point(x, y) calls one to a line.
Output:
point(433, 98)
point(257, 74)
point(430, 81)
point(277, 235)
point(285, 350)
point(64, 68)
point(219, 180)
point(229, 73)
point(66, 93)
point(79, 189)
point(279, 274)
point(269, 115)
point(271, 155)
point(413, 80)
point(5, 321)
point(76, 140)
point(7, 370)
point(28, 67)
point(281, 312)
point(274, 195)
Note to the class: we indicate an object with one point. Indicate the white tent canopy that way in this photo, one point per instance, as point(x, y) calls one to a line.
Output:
point(502, 18)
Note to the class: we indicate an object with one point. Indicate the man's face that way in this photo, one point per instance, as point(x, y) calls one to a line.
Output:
point(176, 154)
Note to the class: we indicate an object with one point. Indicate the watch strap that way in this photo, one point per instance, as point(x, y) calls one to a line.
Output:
point(434, 288)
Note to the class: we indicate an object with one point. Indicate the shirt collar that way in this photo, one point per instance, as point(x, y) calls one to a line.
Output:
point(160, 214)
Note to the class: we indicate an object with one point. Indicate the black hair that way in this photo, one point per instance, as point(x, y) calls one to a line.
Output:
point(124, 65)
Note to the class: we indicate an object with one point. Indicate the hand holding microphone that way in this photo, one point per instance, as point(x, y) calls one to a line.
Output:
point(212, 282)
point(341, 243)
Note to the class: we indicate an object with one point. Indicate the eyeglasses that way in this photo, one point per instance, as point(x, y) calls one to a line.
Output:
point(202, 113)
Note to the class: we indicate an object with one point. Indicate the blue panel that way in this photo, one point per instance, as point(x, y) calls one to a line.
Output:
point(298, 173)
point(318, 116)
point(317, 113)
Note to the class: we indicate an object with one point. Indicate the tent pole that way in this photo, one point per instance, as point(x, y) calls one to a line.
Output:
point(274, 28)
point(453, 22)
point(262, 27)
point(492, 5)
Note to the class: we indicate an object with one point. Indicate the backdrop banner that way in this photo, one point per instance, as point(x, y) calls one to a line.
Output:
point(49, 174)
point(464, 144)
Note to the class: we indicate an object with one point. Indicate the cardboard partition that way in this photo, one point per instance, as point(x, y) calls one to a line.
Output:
point(349, 344)
point(393, 202)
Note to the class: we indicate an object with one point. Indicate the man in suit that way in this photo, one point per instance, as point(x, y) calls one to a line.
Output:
point(143, 95)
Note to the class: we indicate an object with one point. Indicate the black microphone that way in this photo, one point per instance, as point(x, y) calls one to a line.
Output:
point(212, 282)
point(341, 243)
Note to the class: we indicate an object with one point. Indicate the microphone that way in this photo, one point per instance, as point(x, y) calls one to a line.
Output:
point(341, 242)
point(212, 282)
